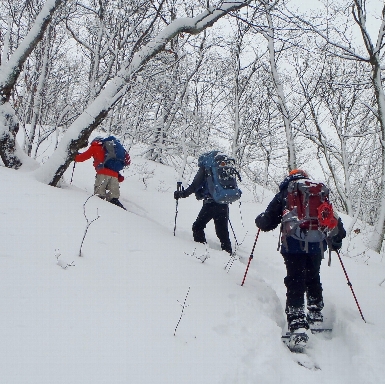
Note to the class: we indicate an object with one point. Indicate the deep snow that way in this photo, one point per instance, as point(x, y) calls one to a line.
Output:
point(110, 317)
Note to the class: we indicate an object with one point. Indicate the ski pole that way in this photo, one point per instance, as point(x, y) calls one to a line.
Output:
point(73, 170)
point(235, 237)
point(240, 213)
point(251, 256)
point(178, 188)
point(350, 285)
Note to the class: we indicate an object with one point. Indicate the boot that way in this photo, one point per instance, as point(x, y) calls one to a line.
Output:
point(314, 314)
point(296, 319)
point(116, 201)
point(227, 249)
point(297, 340)
point(199, 235)
point(314, 318)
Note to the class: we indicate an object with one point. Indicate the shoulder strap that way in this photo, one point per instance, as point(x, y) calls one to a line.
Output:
point(109, 150)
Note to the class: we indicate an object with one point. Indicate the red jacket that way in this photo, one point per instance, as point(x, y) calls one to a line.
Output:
point(97, 152)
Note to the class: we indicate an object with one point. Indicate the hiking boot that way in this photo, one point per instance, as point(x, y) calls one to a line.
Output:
point(199, 235)
point(314, 314)
point(227, 248)
point(296, 318)
point(116, 201)
point(298, 325)
point(314, 304)
point(314, 318)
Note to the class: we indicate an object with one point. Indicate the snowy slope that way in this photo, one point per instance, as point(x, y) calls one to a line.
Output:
point(111, 317)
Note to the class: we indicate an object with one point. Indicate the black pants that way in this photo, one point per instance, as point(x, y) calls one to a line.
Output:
point(220, 214)
point(303, 277)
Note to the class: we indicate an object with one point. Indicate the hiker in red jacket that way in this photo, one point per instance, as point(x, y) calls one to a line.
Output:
point(106, 180)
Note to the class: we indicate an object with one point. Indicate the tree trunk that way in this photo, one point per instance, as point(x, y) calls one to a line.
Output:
point(7, 138)
point(379, 228)
point(38, 96)
point(269, 35)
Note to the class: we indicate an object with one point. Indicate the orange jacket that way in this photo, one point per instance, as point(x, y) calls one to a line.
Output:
point(97, 152)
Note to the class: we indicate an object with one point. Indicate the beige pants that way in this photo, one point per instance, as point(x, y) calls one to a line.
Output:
point(107, 187)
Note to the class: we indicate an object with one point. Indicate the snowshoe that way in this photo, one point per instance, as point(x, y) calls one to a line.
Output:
point(296, 340)
point(326, 331)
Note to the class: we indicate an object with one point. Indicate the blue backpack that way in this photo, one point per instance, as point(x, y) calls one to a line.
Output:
point(115, 157)
point(220, 181)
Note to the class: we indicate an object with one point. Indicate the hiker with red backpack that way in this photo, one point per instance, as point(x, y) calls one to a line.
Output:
point(308, 226)
point(109, 159)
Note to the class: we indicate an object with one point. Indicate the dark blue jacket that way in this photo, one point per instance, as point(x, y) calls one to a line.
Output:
point(199, 187)
point(272, 217)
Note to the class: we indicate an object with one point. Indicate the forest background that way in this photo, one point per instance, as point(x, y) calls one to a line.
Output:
point(276, 84)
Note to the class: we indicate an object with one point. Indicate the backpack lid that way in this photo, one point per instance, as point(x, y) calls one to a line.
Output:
point(209, 158)
point(110, 138)
point(224, 160)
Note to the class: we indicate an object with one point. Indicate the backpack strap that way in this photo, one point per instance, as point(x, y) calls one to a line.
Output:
point(109, 149)
point(280, 238)
point(237, 174)
point(304, 245)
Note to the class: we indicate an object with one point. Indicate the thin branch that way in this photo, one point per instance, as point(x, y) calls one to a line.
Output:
point(183, 307)
point(89, 222)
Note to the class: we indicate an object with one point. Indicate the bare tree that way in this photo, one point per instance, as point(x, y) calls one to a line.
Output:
point(269, 33)
point(10, 71)
point(38, 95)
point(338, 122)
point(340, 43)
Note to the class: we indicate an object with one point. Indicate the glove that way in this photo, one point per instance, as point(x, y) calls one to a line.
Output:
point(259, 222)
point(336, 243)
point(120, 178)
point(179, 195)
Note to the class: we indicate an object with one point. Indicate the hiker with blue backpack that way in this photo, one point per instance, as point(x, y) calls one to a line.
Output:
point(109, 159)
point(308, 226)
point(215, 183)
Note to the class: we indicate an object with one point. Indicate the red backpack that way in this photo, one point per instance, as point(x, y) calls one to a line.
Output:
point(308, 215)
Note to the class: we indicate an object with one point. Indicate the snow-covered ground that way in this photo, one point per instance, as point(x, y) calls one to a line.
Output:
point(111, 315)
